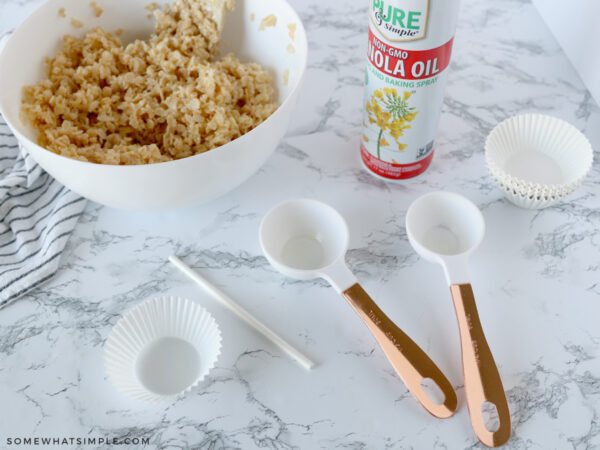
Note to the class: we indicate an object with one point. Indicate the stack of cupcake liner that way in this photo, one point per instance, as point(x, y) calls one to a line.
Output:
point(537, 160)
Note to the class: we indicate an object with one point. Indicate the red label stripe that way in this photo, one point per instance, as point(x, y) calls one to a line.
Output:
point(394, 171)
point(408, 64)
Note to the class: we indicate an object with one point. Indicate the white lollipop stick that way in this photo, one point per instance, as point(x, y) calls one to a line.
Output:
point(242, 313)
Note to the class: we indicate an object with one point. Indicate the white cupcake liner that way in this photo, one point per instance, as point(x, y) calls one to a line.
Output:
point(534, 156)
point(162, 348)
point(530, 199)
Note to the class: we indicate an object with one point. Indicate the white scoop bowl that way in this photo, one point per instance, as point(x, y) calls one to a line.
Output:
point(445, 228)
point(306, 239)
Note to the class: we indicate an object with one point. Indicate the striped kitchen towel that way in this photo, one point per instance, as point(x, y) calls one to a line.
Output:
point(37, 216)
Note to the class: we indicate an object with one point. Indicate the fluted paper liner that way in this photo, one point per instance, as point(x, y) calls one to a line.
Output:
point(179, 331)
point(564, 150)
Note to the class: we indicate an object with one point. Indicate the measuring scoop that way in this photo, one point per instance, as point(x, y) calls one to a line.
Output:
point(306, 239)
point(445, 228)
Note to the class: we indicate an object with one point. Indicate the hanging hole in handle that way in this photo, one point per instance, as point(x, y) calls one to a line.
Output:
point(491, 418)
point(433, 391)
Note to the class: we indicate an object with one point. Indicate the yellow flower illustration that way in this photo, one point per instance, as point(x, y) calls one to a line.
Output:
point(410, 117)
point(383, 119)
point(392, 114)
point(365, 138)
point(377, 109)
point(397, 127)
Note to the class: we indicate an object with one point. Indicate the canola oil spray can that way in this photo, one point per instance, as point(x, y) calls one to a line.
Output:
point(408, 56)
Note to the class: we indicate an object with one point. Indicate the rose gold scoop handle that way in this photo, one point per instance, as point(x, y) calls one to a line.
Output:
point(410, 362)
point(482, 380)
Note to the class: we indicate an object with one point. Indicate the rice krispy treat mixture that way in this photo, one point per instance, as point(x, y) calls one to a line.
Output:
point(97, 10)
point(150, 101)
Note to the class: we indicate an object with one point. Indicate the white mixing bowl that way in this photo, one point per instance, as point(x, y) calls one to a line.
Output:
point(173, 184)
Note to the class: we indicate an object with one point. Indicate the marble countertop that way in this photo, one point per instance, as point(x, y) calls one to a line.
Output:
point(536, 275)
